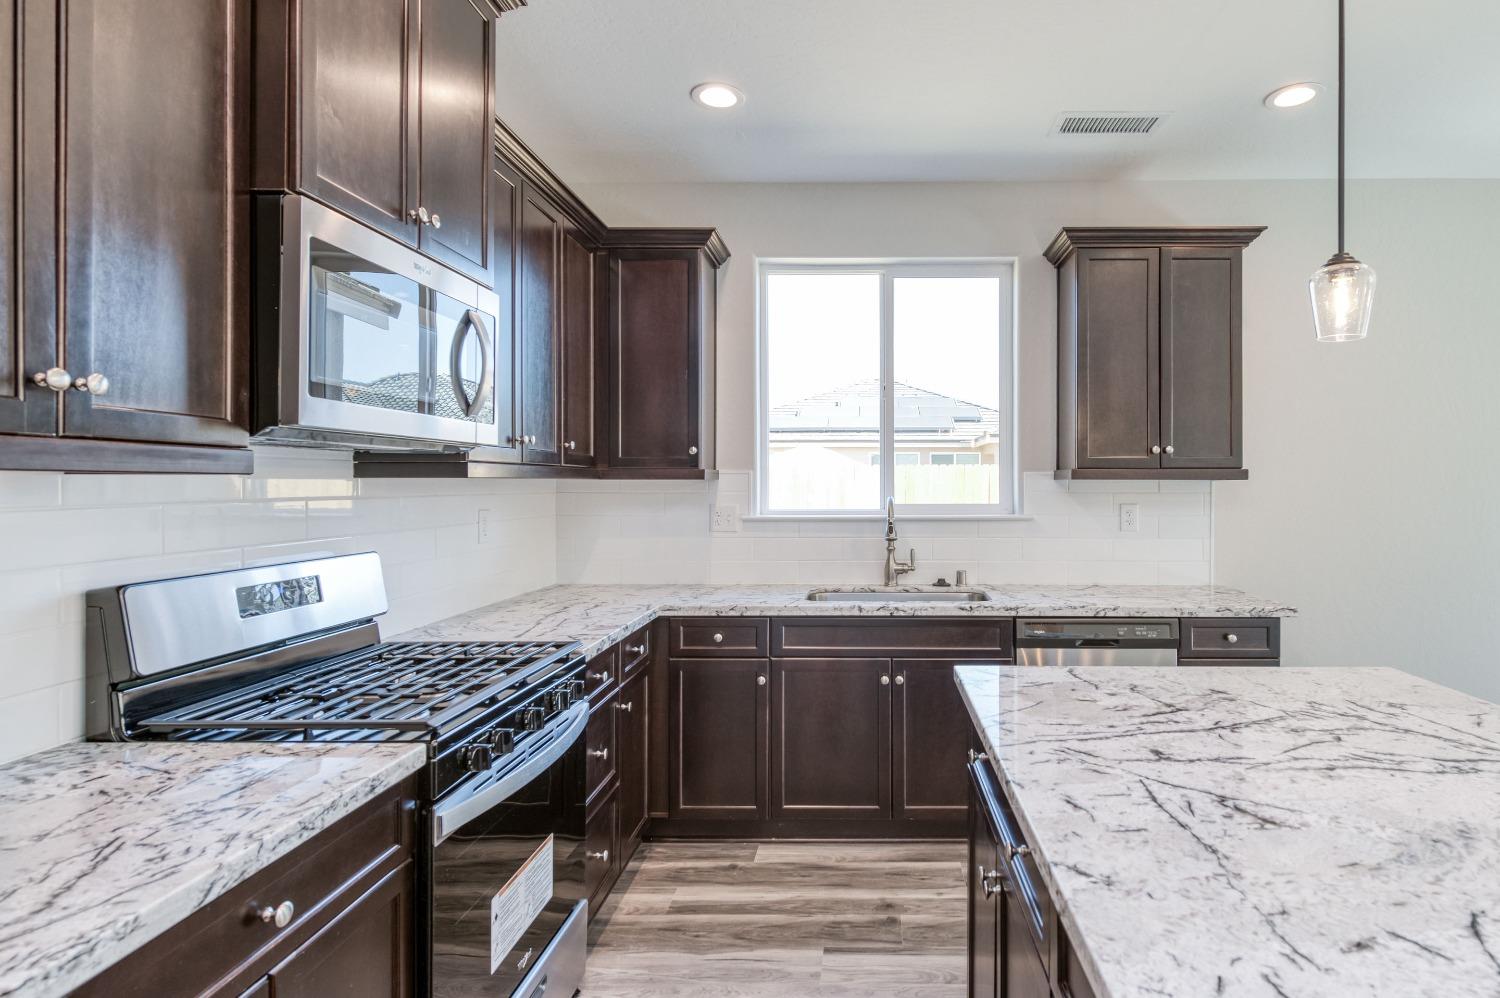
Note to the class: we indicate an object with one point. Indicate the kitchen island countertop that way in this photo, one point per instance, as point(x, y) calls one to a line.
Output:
point(106, 845)
point(601, 615)
point(1318, 833)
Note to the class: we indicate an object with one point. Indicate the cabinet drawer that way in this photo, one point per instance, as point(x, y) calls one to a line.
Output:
point(603, 673)
point(599, 747)
point(599, 844)
point(990, 638)
point(1016, 862)
point(635, 651)
point(225, 947)
point(1230, 638)
point(735, 637)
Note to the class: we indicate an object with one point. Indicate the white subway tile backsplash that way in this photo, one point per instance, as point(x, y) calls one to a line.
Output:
point(1159, 550)
point(124, 490)
point(21, 489)
point(202, 526)
point(42, 538)
point(1064, 549)
point(1184, 526)
point(1111, 573)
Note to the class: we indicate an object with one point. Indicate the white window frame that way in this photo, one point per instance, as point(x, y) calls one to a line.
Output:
point(1003, 268)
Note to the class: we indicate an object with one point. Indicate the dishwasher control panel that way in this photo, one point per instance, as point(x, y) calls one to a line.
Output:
point(1124, 630)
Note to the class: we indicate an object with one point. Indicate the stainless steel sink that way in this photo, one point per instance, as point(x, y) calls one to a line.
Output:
point(907, 595)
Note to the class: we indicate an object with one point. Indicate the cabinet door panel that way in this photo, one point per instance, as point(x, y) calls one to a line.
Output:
point(930, 727)
point(717, 733)
point(156, 244)
point(28, 331)
point(457, 132)
point(831, 738)
point(577, 352)
point(541, 230)
point(506, 186)
point(366, 950)
point(357, 85)
point(1200, 357)
point(1024, 972)
point(634, 707)
point(654, 360)
point(1118, 341)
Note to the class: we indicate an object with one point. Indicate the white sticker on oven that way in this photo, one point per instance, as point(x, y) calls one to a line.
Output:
point(519, 902)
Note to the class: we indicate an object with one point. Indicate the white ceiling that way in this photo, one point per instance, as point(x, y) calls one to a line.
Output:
point(951, 90)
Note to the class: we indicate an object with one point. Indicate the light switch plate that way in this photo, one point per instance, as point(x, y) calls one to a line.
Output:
point(484, 526)
point(1130, 518)
point(725, 519)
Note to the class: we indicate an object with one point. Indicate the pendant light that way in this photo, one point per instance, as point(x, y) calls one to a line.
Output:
point(1343, 289)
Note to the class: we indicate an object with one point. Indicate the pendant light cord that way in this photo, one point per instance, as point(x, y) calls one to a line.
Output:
point(1341, 127)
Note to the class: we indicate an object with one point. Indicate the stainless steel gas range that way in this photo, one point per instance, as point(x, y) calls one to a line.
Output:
point(292, 652)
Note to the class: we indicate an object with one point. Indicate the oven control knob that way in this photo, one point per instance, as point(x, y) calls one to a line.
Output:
point(502, 741)
point(477, 758)
point(559, 699)
point(532, 718)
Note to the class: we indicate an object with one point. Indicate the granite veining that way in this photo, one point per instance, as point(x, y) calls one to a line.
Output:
point(105, 845)
point(1288, 833)
point(601, 615)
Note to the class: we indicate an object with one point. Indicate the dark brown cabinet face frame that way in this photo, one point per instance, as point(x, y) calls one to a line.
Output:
point(1149, 352)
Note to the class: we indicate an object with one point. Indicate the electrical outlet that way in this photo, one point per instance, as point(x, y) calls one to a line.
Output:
point(484, 526)
point(725, 519)
point(1130, 518)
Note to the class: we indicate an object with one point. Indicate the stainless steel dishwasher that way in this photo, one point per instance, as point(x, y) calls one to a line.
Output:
point(1096, 641)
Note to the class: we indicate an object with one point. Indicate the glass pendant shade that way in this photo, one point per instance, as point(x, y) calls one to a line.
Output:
point(1343, 293)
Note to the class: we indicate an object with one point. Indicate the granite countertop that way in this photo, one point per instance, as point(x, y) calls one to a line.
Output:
point(105, 845)
point(600, 616)
point(1257, 832)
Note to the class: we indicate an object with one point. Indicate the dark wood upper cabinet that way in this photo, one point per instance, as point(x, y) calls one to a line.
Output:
point(717, 724)
point(355, 86)
point(1149, 379)
point(384, 110)
point(456, 97)
point(663, 303)
point(830, 738)
point(578, 351)
point(507, 190)
point(538, 284)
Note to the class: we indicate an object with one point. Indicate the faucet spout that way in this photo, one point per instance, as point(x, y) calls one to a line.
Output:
point(894, 569)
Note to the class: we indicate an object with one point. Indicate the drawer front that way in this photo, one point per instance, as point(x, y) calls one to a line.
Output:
point(1229, 638)
point(1019, 866)
point(733, 637)
point(599, 844)
point(985, 638)
point(602, 675)
point(599, 747)
point(635, 651)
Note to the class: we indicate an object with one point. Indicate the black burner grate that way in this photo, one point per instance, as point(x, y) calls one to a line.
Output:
point(397, 690)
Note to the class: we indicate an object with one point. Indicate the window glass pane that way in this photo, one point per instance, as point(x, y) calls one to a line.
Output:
point(823, 391)
point(947, 372)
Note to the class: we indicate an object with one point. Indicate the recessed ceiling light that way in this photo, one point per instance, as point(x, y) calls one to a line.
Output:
point(717, 95)
point(1292, 95)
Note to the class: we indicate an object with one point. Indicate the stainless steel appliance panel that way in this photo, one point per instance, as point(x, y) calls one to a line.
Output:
point(1096, 641)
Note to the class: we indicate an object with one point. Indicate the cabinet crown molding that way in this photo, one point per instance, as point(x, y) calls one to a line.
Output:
point(540, 176)
point(707, 240)
point(1071, 238)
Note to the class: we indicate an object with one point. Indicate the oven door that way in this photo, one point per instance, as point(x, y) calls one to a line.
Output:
point(507, 889)
point(380, 343)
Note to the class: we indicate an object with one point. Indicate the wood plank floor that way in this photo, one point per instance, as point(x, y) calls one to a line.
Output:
point(784, 919)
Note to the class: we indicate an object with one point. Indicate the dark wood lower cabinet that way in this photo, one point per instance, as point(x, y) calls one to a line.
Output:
point(633, 710)
point(831, 738)
point(986, 910)
point(930, 726)
point(717, 722)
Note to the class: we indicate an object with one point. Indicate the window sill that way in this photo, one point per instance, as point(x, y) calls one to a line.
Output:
point(876, 517)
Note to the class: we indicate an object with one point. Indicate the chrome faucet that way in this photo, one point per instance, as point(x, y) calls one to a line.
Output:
point(895, 569)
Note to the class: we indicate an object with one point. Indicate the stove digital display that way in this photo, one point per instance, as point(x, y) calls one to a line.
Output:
point(273, 597)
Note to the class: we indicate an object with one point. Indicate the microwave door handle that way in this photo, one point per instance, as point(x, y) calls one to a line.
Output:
point(471, 322)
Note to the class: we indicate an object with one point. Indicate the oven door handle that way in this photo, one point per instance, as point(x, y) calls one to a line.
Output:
point(452, 814)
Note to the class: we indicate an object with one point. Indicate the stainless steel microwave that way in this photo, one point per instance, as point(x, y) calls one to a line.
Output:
point(360, 341)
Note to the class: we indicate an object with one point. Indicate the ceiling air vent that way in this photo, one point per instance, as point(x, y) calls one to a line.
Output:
point(1107, 124)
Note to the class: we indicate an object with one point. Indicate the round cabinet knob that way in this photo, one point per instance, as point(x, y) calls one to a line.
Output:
point(572, 445)
point(718, 638)
point(436, 221)
point(54, 378)
point(602, 675)
point(602, 855)
point(1170, 449)
point(1155, 449)
point(418, 214)
point(94, 384)
point(531, 440)
point(279, 916)
point(900, 680)
point(885, 680)
point(991, 882)
point(627, 706)
point(599, 753)
point(1017, 851)
point(1233, 639)
point(692, 450)
point(760, 680)
point(636, 649)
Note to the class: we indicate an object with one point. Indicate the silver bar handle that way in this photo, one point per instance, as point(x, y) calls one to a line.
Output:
point(451, 815)
point(472, 322)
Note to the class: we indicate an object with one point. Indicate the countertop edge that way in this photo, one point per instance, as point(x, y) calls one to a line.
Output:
point(157, 917)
